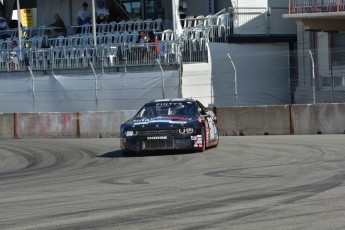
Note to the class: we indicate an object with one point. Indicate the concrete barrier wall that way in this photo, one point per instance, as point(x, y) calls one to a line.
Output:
point(319, 118)
point(6, 126)
point(45, 125)
point(103, 124)
point(259, 120)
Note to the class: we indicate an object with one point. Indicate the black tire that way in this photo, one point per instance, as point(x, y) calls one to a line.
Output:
point(203, 147)
point(128, 153)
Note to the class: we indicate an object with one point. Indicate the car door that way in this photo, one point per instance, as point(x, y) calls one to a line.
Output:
point(209, 118)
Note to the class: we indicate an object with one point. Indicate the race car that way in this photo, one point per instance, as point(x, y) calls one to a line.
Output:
point(170, 124)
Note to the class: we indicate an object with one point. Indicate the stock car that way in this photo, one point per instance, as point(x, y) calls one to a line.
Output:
point(170, 124)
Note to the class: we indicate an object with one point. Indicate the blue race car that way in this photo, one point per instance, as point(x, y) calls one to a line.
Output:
point(170, 124)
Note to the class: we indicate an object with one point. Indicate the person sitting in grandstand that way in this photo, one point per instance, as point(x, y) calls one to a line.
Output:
point(59, 26)
point(84, 15)
point(143, 37)
point(16, 56)
point(142, 55)
point(155, 50)
point(102, 13)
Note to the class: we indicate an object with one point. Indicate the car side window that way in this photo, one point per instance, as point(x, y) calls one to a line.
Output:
point(201, 109)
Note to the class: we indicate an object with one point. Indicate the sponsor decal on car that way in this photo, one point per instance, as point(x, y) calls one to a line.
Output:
point(157, 138)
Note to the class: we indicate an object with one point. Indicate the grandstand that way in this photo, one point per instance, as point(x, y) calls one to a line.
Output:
point(103, 67)
point(116, 44)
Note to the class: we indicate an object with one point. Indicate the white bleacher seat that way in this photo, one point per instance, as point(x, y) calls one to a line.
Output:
point(2, 44)
point(102, 28)
point(86, 28)
point(41, 30)
point(133, 37)
point(167, 24)
point(138, 25)
point(124, 37)
point(199, 21)
point(110, 55)
point(39, 58)
point(130, 25)
point(121, 26)
point(158, 25)
point(148, 25)
point(167, 35)
point(188, 22)
point(222, 24)
point(59, 57)
point(84, 40)
point(100, 39)
point(60, 41)
point(112, 27)
point(115, 37)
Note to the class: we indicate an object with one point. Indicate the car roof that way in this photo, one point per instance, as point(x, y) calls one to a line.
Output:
point(174, 100)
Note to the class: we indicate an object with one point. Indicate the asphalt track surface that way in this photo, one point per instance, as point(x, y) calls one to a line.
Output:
point(264, 182)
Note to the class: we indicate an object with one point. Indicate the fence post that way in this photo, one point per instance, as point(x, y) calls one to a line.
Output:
point(235, 81)
point(33, 88)
point(313, 73)
point(96, 85)
point(162, 75)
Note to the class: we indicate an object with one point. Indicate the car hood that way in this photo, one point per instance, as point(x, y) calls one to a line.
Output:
point(162, 121)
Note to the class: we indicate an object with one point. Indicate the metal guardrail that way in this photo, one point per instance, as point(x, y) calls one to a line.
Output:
point(315, 6)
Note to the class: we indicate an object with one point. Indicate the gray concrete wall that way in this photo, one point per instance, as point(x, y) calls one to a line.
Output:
point(319, 118)
point(259, 120)
point(6, 126)
point(103, 124)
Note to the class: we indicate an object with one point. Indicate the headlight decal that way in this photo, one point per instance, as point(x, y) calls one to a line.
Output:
point(131, 133)
point(185, 130)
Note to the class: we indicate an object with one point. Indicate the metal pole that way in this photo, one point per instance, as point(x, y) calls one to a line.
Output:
point(162, 76)
point(235, 80)
point(94, 23)
point(96, 85)
point(332, 82)
point(313, 73)
point(33, 88)
point(19, 27)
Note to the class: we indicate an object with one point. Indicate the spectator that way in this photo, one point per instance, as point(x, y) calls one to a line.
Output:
point(60, 29)
point(142, 55)
point(102, 13)
point(16, 56)
point(84, 15)
point(156, 49)
point(143, 37)
point(183, 11)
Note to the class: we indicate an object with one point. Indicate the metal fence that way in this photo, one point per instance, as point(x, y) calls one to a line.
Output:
point(315, 6)
point(311, 76)
point(302, 77)
point(112, 55)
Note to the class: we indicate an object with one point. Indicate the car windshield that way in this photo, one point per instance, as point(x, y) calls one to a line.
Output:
point(159, 109)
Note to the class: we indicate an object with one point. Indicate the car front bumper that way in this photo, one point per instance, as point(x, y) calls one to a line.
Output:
point(161, 143)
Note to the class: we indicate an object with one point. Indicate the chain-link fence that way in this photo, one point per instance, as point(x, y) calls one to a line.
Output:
point(252, 77)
